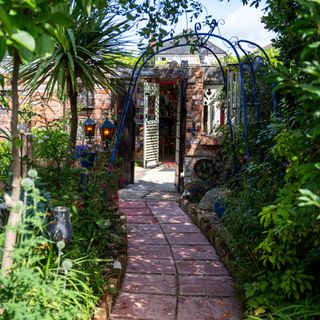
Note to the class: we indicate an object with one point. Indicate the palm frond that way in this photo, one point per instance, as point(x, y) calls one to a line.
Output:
point(90, 51)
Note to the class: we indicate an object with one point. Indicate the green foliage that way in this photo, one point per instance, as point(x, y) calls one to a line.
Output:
point(87, 49)
point(97, 230)
point(50, 145)
point(26, 26)
point(49, 282)
point(54, 281)
point(273, 218)
point(158, 14)
point(5, 159)
point(42, 285)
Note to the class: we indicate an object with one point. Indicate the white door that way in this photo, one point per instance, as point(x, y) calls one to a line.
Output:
point(151, 125)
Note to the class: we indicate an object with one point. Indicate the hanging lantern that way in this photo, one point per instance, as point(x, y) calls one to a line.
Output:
point(89, 128)
point(107, 129)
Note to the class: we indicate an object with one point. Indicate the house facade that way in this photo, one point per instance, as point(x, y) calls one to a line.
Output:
point(178, 108)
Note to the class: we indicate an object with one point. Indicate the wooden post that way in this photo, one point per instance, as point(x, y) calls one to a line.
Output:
point(23, 155)
point(29, 146)
point(26, 153)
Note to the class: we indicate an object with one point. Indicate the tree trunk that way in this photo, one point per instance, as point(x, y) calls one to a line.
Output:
point(73, 97)
point(74, 118)
point(15, 203)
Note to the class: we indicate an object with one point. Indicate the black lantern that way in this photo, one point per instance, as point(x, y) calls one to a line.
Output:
point(89, 128)
point(107, 129)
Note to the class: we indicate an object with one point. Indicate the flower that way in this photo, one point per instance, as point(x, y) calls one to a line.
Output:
point(61, 245)
point(104, 186)
point(67, 265)
point(32, 173)
point(80, 205)
point(27, 183)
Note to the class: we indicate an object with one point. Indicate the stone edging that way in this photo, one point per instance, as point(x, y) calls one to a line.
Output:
point(213, 229)
point(103, 311)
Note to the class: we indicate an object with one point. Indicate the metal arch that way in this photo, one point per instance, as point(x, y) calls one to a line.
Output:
point(203, 39)
point(134, 78)
point(274, 98)
point(136, 72)
point(253, 76)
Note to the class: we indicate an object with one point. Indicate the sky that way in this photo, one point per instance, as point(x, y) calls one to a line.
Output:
point(241, 21)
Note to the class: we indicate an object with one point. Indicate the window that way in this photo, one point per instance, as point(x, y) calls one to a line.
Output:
point(86, 98)
point(212, 112)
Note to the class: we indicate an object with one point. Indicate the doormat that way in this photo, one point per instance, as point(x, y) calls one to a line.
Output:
point(168, 163)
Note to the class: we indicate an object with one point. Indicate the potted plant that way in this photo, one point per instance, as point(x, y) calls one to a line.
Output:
point(86, 155)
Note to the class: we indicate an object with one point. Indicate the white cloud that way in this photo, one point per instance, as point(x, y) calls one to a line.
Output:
point(245, 23)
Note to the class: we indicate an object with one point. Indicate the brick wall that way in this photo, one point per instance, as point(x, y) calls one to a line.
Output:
point(195, 149)
point(46, 111)
point(106, 104)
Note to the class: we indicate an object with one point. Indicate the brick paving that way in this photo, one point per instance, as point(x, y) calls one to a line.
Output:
point(172, 272)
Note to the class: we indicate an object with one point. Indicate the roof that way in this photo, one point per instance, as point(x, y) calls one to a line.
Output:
point(185, 50)
point(268, 46)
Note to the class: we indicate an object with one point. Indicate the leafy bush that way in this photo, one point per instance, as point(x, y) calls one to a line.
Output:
point(97, 229)
point(50, 281)
point(5, 159)
point(273, 220)
point(42, 285)
point(50, 145)
point(273, 215)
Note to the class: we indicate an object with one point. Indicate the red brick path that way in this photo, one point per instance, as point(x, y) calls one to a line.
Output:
point(173, 273)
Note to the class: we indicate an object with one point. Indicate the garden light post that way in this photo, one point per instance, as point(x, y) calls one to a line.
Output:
point(107, 130)
point(26, 147)
point(89, 128)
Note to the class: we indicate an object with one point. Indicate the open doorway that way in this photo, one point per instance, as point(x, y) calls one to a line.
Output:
point(160, 134)
point(168, 103)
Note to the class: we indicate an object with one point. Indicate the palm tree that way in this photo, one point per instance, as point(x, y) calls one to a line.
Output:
point(88, 51)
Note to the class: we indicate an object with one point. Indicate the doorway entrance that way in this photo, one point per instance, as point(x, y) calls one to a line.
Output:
point(164, 124)
point(168, 104)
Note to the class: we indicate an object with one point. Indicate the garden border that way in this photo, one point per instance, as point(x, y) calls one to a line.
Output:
point(213, 229)
point(106, 303)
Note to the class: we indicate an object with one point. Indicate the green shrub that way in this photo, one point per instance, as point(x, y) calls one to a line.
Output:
point(52, 282)
point(5, 159)
point(274, 214)
point(42, 284)
point(50, 145)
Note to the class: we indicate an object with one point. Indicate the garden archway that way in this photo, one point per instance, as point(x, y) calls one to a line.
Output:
point(237, 47)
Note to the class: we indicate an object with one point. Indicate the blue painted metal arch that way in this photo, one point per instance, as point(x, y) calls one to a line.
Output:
point(202, 40)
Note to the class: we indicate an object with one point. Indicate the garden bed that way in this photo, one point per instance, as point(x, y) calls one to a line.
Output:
point(103, 311)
